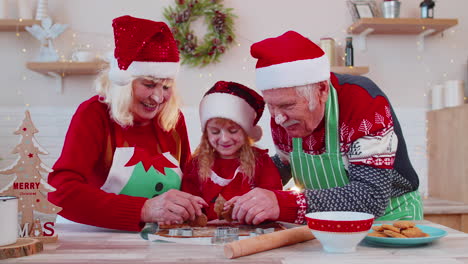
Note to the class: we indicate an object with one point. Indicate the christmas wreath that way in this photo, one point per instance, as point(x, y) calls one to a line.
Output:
point(217, 40)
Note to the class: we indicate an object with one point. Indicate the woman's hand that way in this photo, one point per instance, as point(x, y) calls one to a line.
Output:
point(172, 207)
point(254, 207)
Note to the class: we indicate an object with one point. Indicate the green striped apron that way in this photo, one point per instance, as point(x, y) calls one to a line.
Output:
point(327, 170)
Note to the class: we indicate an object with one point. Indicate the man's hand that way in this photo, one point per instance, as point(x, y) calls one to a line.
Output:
point(172, 207)
point(254, 207)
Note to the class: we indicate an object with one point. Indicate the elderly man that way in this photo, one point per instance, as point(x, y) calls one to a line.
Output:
point(336, 134)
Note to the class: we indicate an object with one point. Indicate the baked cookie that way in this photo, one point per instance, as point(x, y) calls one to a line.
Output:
point(377, 234)
point(219, 209)
point(392, 228)
point(404, 224)
point(413, 232)
point(378, 228)
point(201, 220)
point(391, 233)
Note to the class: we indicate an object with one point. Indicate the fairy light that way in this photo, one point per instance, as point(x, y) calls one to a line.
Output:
point(295, 189)
point(23, 50)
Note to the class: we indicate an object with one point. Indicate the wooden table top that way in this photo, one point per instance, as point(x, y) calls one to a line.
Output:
point(85, 244)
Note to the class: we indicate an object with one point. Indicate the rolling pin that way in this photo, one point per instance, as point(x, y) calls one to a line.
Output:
point(267, 241)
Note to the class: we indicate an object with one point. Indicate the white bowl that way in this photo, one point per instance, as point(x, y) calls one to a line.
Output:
point(339, 231)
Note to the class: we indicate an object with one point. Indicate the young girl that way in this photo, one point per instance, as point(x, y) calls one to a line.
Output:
point(226, 163)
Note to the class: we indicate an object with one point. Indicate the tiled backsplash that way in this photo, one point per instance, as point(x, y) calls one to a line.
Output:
point(52, 124)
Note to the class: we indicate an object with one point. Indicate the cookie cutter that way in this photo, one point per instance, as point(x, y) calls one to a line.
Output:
point(225, 234)
point(185, 232)
point(261, 231)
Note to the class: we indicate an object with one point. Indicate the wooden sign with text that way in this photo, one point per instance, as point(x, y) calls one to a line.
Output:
point(37, 215)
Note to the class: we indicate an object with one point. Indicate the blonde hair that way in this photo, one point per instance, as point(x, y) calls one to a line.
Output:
point(119, 99)
point(205, 154)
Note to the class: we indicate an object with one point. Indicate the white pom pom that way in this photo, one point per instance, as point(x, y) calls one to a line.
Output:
point(119, 77)
point(256, 133)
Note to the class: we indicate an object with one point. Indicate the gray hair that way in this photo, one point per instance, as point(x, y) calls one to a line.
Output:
point(308, 91)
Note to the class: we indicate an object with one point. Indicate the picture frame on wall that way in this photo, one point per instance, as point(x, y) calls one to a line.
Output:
point(363, 9)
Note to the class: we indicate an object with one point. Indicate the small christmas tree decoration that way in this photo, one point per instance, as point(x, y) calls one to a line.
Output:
point(46, 33)
point(37, 214)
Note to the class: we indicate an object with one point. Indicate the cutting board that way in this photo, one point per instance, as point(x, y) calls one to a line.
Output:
point(209, 230)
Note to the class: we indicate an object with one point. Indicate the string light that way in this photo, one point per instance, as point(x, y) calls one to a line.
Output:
point(295, 189)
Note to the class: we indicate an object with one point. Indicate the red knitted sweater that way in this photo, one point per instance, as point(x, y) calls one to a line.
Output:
point(86, 159)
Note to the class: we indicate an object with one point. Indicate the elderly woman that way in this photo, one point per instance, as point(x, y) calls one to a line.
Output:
point(121, 161)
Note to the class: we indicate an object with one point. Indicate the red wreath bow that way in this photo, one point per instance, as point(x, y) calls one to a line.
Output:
point(159, 161)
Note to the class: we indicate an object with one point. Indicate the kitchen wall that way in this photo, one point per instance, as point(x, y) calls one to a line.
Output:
point(396, 65)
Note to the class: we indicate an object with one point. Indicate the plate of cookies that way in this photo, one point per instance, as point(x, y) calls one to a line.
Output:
point(403, 233)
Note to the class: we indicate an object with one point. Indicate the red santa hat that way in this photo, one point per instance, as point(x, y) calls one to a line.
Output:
point(142, 48)
point(236, 102)
point(289, 60)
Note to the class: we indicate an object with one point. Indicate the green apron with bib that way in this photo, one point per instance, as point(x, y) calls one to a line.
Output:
point(327, 170)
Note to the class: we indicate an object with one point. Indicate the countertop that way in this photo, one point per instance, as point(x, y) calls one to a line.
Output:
point(85, 244)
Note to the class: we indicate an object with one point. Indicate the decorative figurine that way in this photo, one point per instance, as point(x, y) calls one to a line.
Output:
point(427, 9)
point(45, 34)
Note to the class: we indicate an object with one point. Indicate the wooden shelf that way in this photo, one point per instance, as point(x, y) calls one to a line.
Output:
point(67, 68)
point(422, 27)
point(350, 70)
point(17, 24)
point(402, 26)
point(59, 69)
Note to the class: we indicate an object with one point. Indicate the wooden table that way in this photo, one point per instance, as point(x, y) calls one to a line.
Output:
point(85, 244)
